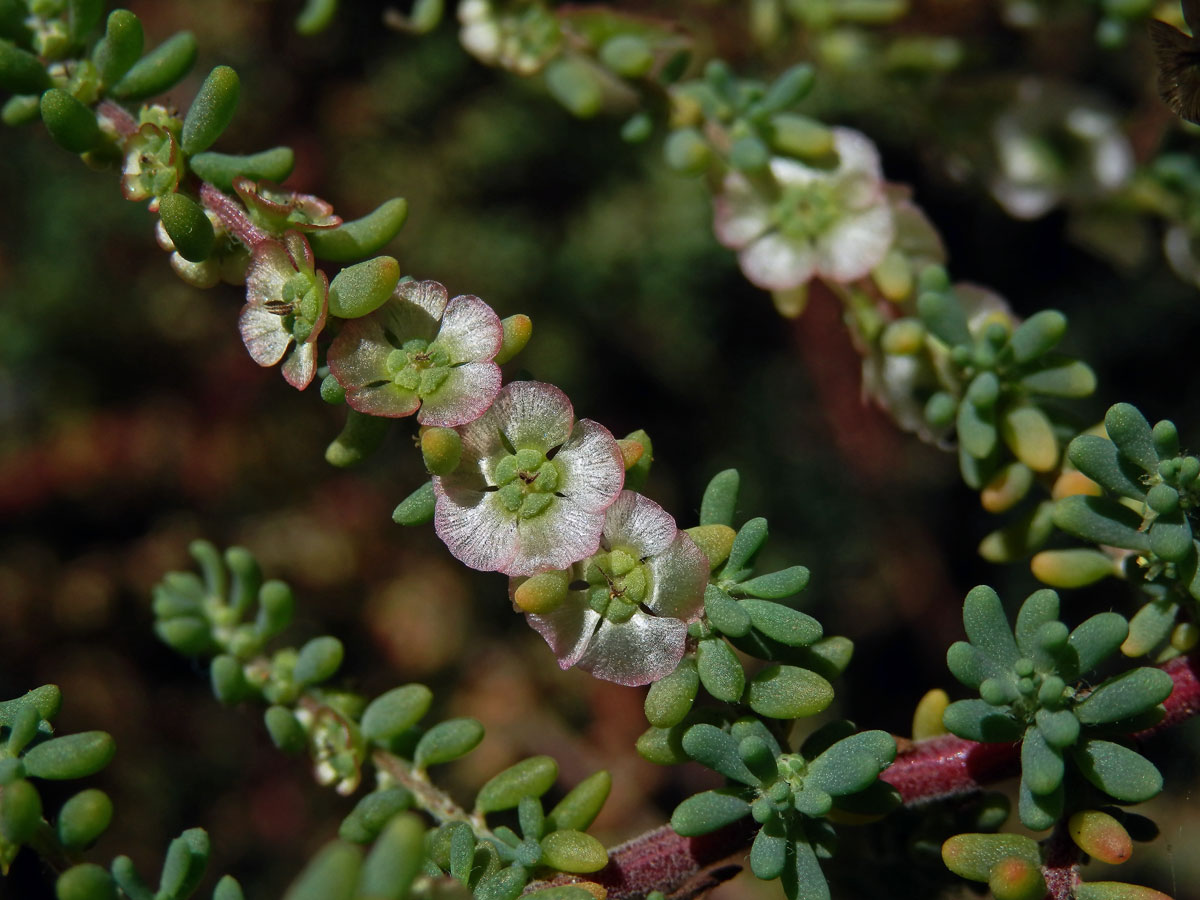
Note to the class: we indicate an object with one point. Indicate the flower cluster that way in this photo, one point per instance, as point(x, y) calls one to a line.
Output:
point(833, 223)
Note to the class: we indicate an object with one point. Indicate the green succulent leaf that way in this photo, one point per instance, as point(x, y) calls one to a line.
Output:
point(973, 856)
point(1060, 728)
point(1124, 696)
point(1038, 812)
point(724, 613)
point(1099, 459)
point(707, 812)
point(319, 659)
point(20, 811)
point(976, 720)
point(361, 436)
point(71, 756)
point(220, 169)
point(749, 540)
point(1120, 772)
point(802, 876)
point(1093, 641)
point(447, 741)
point(529, 778)
point(769, 852)
point(391, 714)
point(158, 70)
point(573, 851)
point(1042, 765)
point(1101, 521)
point(1061, 378)
point(579, 808)
point(788, 692)
point(83, 818)
point(395, 861)
point(1150, 627)
point(69, 122)
point(363, 287)
point(782, 623)
point(976, 427)
point(187, 225)
point(373, 812)
point(720, 671)
point(285, 729)
point(46, 700)
point(1171, 537)
point(183, 868)
point(1039, 608)
point(417, 507)
point(331, 875)
point(211, 111)
point(360, 238)
point(116, 52)
point(943, 315)
point(972, 666)
point(506, 884)
point(20, 71)
point(663, 746)
point(86, 881)
point(1129, 430)
point(1037, 335)
point(671, 698)
point(987, 626)
point(718, 750)
point(852, 764)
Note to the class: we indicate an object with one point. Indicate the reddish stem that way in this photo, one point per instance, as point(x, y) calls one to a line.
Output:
point(232, 216)
point(923, 771)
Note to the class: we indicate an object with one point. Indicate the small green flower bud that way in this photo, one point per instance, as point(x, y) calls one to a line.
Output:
point(20, 811)
point(86, 881)
point(628, 55)
point(83, 818)
point(211, 111)
point(188, 226)
point(1037, 335)
point(541, 594)
point(116, 52)
point(1163, 499)
point(158, 70)
point(332, 392)
point(687, 152)
point(441, 449)
point(70, 756)
point(69, 122)
point(517, 331)
point(319, 659)
point(1014, 878)
point(362, 288)
point(572, 81)
point(362, 237)
point(285, 729)
point(20, 71)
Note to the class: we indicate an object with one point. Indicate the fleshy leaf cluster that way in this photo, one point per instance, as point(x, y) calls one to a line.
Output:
point(1149, 489)
point(1032, 687)
point(788, 794)
point(997, 373)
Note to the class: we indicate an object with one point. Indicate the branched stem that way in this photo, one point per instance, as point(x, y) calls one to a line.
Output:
point(429, 797)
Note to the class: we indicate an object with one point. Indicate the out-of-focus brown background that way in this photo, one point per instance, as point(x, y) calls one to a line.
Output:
point(132, 421)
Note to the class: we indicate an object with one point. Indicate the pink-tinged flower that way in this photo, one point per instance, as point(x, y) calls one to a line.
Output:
point(421, 353)
point(530, 492)
point(286, 301)
point(834, 223)
point(277, 209)
point(625, 615)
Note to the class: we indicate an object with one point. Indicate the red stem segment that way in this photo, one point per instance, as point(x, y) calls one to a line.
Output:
point(923, 771)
